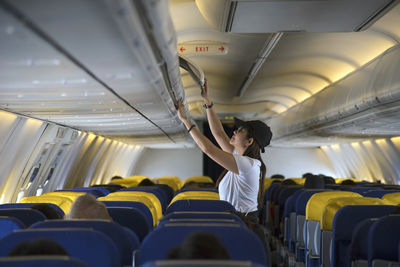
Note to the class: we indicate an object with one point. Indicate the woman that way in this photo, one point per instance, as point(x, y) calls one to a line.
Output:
point(242, 182)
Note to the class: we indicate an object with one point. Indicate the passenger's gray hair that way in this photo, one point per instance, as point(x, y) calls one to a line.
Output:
point(87, 207)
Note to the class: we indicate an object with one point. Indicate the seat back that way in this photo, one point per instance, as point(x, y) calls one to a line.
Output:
point(200, 263)
point(326, 221)
point(200, 205)
point(90, 246)
point(289, 215)
point(198, 179)
point(392, 198)
point(89, 190)
point(28, 205)
point(173, 181)
point(201, 220)
point(196, 195)
point(68, 194)
point(314, 210)
point(40, 261)
point(148, 198)
point(383, 240)
point(26, 216)
point(142, 199)
point(200, 215)
point(241, 243)
point(133, 204)
point(63, 202)
point(358, 251)
point(114, 231)
point(344, 223)
point(132, 218)
point(159, 192)
point(301, 205)
point(9, 224)
point(379, 193)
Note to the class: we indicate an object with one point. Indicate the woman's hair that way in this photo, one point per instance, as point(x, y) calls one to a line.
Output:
point(254, 151)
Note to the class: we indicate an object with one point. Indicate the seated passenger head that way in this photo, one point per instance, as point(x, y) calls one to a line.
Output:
point(47, 210)
point(42, 246)
point(116, 177)
point(307, 174)
point(200, 245)
point(314, 182)
point(191, 184)
point(278, 176)
point(146, 182)
point(329, 180)
point(348, 182)
point(87, 207)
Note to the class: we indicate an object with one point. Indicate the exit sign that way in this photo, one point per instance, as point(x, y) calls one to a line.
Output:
point(202, 48)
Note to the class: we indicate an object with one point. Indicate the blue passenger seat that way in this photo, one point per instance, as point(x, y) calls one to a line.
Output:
point(200, 205)
point(42, 261)
point(131, 218)
point(9, 224)
point(241, 243)
point(87, 245)
point(133, 204)
point(28, 205)
point(357, 255)
point(383, 241)
point(26, 216)
point(345, 221)
point(201, 263)
point(121, 238)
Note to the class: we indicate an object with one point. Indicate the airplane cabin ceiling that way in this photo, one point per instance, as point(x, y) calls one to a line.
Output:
point(299, 66)
point(72, 63)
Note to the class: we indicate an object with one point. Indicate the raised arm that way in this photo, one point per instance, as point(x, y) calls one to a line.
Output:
point(223, 158)
point(216, 127)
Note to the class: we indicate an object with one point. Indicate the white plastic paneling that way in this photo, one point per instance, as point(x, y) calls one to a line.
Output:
point(371, 160)
point(15, 153)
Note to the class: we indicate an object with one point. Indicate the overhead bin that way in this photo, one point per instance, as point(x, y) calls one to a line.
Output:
point(245, 16)
point(112, 66)
point(366, 103)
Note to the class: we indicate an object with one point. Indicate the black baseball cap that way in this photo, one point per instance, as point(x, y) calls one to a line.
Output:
point(258, 130)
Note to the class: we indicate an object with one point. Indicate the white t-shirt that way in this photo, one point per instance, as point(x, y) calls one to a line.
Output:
point(241, 190)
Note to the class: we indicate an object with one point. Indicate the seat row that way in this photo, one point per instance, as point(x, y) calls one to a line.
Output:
point(109, 244)
point(314, 226)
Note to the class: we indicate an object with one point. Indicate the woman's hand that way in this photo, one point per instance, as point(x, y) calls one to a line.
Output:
point(180, 108)
point(204, 93)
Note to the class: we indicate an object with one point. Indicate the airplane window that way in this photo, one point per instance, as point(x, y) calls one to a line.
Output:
point(49, 176)
point(34, 173)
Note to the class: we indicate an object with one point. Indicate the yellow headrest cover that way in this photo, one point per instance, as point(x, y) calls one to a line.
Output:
point(196, 195)
point(199, 179)
point(392, 198)
point(63, 202)
point(71, 195)
point(335, 204)
point(298, 180)
point(141, 199)
point(156, 202)
point(173, 181)
point(317, 203)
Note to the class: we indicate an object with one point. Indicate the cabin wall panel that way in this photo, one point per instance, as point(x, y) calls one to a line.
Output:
point(16, 152)
point(376, 160)
point(293, 162)
point(94, 160)
point(183, 163)
point(47, 136)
